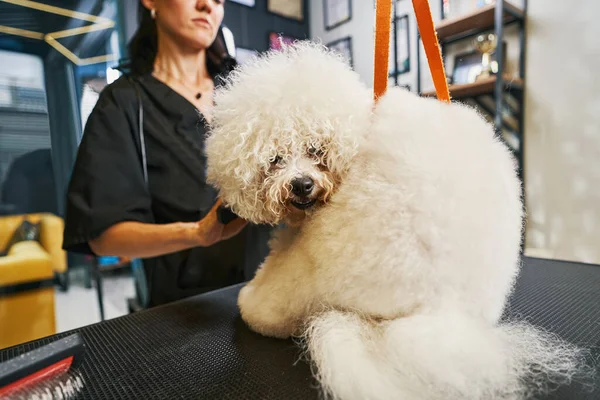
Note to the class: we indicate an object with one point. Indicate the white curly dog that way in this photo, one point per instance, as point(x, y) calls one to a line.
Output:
point(400, 238)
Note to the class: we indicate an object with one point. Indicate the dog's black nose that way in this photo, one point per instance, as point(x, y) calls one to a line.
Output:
point(302, 186)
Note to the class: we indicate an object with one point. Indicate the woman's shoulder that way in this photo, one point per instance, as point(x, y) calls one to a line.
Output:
point(115, 107)
point(119, 91)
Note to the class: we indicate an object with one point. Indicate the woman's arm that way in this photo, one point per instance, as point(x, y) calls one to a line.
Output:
point(142, 240)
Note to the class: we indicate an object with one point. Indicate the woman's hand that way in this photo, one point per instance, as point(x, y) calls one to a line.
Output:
point(210, 230)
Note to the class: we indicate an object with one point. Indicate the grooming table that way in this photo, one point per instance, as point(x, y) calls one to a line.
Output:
point(200, 348)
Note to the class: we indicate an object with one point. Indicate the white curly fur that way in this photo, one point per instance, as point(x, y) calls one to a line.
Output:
point(397, 280)
point(247, 138)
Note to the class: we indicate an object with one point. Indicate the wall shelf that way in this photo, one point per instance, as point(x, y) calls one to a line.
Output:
point(482, 19)
point(479, 88)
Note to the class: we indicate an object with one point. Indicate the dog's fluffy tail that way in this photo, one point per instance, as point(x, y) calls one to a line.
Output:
point(438, 356)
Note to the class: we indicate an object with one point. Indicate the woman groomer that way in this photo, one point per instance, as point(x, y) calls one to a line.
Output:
point(171, 222)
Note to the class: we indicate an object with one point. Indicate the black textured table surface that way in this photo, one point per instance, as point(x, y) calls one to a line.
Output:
point(199, 348)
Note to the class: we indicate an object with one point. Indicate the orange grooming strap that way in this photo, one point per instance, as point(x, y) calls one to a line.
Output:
point(432, 48)
point(383, 18)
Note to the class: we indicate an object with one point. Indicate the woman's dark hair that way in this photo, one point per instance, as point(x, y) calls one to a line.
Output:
point(143, 47)
point(144, 44)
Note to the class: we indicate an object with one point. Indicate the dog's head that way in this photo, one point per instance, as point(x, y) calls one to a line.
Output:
point(285, 129)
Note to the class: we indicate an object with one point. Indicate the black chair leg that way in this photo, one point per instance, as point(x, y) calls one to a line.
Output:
point(98, 279)
point(87, 277)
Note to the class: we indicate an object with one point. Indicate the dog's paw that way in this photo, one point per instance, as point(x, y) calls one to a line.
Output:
point(245, 299)
point(263, 316)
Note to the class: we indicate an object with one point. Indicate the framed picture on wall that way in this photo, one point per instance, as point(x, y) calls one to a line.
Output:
point(400, 47)
point(336, 12)
point(247, 3)
point(277, 40)
point(292, 9)
point(344, 47)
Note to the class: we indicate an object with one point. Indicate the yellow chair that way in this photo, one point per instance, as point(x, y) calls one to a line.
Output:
point(26, 279)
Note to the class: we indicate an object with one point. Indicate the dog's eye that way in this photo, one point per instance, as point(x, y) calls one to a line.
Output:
point(315, 151)
point(276, 160)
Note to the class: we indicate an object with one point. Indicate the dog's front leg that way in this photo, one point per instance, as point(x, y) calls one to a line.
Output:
point(277, 300)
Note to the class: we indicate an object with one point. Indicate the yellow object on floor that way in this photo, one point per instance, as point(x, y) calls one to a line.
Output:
point(26, 279)
point(51, 235)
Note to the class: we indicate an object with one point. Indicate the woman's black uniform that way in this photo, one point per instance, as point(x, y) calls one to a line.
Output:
point(107, 186)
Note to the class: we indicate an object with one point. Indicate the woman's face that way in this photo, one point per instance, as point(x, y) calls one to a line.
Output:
point(194, 23)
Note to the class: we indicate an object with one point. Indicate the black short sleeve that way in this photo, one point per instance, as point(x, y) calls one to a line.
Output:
point(107, 183)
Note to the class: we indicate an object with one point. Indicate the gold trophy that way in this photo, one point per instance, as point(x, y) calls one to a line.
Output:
point(486, 45)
